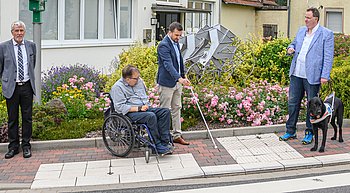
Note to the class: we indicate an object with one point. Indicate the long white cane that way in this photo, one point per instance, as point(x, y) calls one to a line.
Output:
point(200, 111)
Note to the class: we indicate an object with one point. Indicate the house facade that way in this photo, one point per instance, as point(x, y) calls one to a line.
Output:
point(265, 18)
point(94, 32)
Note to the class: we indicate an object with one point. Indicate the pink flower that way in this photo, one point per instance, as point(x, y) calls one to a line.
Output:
point(88, 105)
point(81, 79)
point(214, 101)
point(222, 118)
point(64, 86)
point(182, 119)
point(239, 96)
point(229, 121)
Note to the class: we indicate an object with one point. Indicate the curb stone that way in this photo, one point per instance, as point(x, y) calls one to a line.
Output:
point(200, 134)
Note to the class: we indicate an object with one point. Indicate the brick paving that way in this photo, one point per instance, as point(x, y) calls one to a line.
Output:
point(20, 170)
point(332, 146)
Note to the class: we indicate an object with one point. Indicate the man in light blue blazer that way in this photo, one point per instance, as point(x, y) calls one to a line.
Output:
point(313, 49)
point(17, 62)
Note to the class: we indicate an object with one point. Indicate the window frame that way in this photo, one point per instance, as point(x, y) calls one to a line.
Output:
point(334, 10)
point(201, 16)
point(271, 27)
point(61, 42)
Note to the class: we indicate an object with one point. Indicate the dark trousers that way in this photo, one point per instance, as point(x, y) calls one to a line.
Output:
point(22, 97)
point(157, 121)
point(297, 88)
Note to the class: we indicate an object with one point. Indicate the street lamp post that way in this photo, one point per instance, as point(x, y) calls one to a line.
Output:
point(37, 6)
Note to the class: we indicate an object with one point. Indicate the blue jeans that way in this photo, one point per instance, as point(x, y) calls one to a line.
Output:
point(297, 88)
point(157, 121)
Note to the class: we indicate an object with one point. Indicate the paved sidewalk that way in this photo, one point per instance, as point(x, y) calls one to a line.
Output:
point(234, 155)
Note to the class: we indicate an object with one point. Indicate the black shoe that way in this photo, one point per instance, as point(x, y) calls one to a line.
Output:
point(27, 153)
point(11, 153)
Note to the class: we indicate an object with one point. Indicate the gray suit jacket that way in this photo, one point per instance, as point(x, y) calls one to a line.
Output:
point(8, 66)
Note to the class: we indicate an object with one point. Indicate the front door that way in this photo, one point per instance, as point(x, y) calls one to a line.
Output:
point(164, 20)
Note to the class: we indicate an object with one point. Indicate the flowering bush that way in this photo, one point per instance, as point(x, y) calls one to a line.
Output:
point(57, 76)
point(259, 104)
point(341, 44)
point(80, 98)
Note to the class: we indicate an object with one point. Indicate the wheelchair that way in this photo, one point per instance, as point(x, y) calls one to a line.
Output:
point(120, 134)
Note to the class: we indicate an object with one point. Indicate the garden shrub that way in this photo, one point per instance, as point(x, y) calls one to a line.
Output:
point(272, 62)
point(59, 75)
point(3, 133)
point(341, 44)
point(262, 60)
point(144, 58)
point(259, 104)
point(80, 99)
point(340, 77)
point(70, 129)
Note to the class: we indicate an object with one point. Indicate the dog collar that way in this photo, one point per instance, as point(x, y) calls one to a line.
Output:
point(325, 115)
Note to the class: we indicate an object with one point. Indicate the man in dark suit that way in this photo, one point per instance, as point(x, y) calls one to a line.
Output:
point(171, 77)
point(17, 62)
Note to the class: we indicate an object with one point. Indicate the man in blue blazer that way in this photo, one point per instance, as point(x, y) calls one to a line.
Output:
point(171, 77)
point(313, 49)
point(17, 62)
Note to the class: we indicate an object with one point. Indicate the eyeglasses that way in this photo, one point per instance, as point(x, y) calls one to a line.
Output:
point(135, 78)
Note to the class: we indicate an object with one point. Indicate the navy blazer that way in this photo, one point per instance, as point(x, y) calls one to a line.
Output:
point(319, 58)
point(8, 66)
point(168, 66)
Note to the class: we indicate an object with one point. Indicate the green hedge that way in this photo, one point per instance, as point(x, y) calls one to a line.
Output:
point(340, 77)
point(144, 58)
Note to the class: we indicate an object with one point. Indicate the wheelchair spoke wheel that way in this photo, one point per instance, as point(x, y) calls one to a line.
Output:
point(118, 135)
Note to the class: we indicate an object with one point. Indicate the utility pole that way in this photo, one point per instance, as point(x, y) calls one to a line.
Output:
point(37, 6)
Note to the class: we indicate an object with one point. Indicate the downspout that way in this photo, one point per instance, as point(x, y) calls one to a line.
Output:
point(288, 26)
point(220, 3)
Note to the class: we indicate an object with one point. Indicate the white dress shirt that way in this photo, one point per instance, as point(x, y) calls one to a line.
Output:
point(300, 68)
point(25, 60)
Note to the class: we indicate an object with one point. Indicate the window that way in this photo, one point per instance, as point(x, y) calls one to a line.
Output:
point(270, 31)
point(83, 20)
point(195, 21)
point(334, 20)
point(175, 1)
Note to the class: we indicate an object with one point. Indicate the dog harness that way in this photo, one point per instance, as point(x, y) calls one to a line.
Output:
point(326, 114)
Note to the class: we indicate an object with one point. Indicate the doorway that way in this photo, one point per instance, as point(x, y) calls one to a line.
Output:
point(164, 20)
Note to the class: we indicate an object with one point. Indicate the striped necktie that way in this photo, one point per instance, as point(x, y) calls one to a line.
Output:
point(20, 64)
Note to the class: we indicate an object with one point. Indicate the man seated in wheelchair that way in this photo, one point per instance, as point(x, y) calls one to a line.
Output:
point(129, 97)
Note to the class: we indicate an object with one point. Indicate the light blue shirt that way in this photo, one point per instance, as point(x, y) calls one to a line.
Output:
point(177, 51)
point(125, 96)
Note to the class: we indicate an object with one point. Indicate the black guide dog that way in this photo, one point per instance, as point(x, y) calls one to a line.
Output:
point(317, 110)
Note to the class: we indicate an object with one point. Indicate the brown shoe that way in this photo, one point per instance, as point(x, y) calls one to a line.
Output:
point(181, 141)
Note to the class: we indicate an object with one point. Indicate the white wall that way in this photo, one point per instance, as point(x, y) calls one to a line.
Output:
point(99, 58)
point(9, 12)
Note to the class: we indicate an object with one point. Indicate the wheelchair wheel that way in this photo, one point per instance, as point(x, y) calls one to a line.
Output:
point(118, 135)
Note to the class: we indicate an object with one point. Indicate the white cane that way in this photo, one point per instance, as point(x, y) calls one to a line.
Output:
point(200, 111)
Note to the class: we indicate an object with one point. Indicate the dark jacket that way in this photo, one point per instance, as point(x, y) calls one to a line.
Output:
point(168, 66)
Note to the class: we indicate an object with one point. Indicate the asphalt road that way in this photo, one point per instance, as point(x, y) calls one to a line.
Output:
point(316, 180)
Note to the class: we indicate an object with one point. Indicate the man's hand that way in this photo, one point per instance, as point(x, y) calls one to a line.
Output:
point(323, 80)
point(290, 51)
point(184, 81)
point(144, 108)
